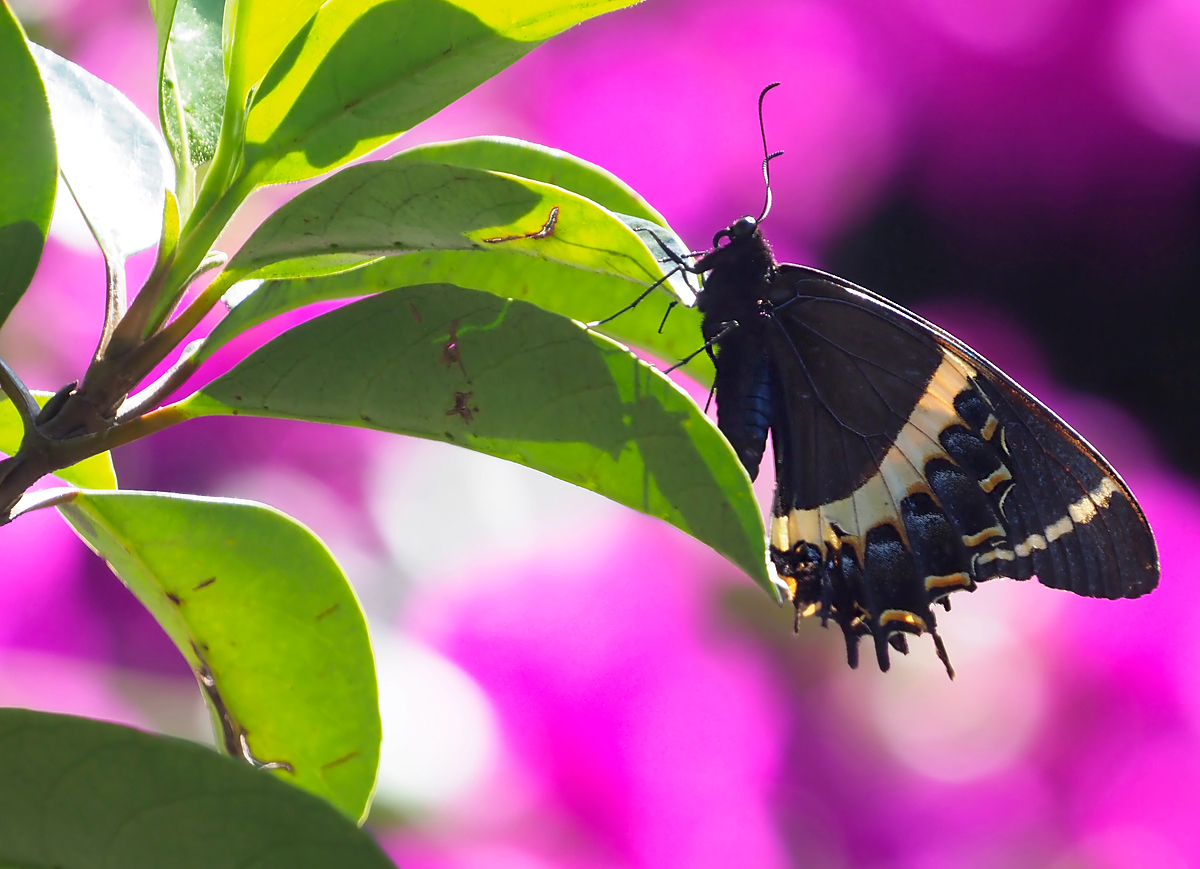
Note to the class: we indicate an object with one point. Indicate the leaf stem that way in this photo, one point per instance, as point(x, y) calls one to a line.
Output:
point(128, 333)
point(174, 378)
point(135, 429)
point(114, 301)
point(41, 499)
point(215, 260)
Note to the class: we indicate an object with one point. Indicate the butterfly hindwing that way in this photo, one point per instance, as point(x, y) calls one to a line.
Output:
point(907, 467)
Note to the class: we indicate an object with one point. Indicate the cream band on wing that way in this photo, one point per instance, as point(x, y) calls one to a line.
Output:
point(1079, 513)
point(900, 474)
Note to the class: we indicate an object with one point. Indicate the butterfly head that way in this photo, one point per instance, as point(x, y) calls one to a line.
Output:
point(739, 249)
point(742, 228)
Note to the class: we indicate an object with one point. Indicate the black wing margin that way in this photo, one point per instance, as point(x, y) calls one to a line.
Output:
point(1071, 519)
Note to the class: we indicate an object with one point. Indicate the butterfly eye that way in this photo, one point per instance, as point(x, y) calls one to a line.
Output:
point(743, 227)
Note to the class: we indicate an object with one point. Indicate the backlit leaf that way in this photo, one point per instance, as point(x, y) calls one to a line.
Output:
point(266, 620)
point(360, 72)
point(113, 160)
point(192, 81)
point(397, 206)
point(506, 378)
point(28, 164)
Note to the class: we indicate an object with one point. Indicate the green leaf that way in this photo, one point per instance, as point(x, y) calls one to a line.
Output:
point(361, 72)
point(573, 289)
point(94, 473)
point(266, 620)
point(162, 11)
point(577, 293)
point(506, 378)
point(552, 166)
point(113, 160)
point(261, 29)
point(539, 163)
point(28, 164)
point(191, 84)
point(393, 207)
point(82, 794)
point(312, 266)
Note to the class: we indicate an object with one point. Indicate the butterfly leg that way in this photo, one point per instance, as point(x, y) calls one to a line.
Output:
point(941, 652)
point(670, 308)
point(726, 328)
point(641, 298)
point(681, 265)
point(672, 256)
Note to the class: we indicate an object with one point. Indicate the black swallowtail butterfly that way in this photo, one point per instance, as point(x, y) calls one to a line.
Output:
point(907, 466)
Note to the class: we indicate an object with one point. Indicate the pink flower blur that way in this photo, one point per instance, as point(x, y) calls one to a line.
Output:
point(1160, 59)
point(648, 741)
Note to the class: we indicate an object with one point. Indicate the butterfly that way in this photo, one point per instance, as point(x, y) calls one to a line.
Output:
point(907, 466)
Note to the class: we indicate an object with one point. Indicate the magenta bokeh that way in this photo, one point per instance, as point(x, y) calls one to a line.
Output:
point(654, 709)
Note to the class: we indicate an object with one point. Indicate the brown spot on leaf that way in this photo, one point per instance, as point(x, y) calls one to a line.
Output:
point(327, 612)
point(343, 759)
point(452, 352)
point(204, 584)
point(461, 409)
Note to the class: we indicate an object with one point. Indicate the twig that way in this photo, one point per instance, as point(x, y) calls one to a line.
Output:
point(22, 399)
point(20, 472)
point(144, 358)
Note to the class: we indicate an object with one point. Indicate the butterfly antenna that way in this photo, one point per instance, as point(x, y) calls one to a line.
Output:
point(767, 156)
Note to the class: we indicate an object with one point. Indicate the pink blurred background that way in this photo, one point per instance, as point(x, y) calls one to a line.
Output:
point(579, 686)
